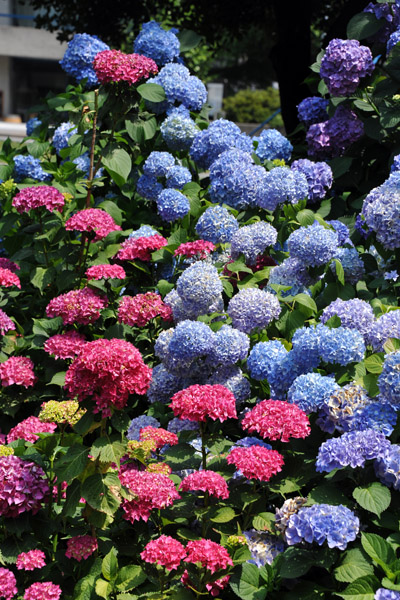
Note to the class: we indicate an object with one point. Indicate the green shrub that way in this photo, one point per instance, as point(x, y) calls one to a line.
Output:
point(253, 106)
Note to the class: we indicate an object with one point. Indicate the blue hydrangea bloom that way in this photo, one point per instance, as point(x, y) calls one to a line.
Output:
point(138, 423)
point(385, 327)
point(283, 185)
point(313, 110)
point(342, 230)
point(179, 130)
point(183, 310)
point(311, 390)
point(381, 212)
point(176, 425)
point(340, 345)
point(378, 416)
point(216, 225)
point(319, 177)
point(163, 385)
point(342, 407)
point(291, 272)
point(177, 177)
point(172, 205)
point(384, 594)
point(158, 163)
point(83, 164)
point(393, 40)
point(180, 87)
point(143, 231)
point(253, 240)
point(148, 187)
point(313, 245)
point(27, 166)
point(78, 58)
point(354, 314)
point(389, 379)
point(249, 441)
point(263, 357)
point(272, 145)
point(306, 347)
point(156, 43)
point(352, 264)
point(337, 525)
point(232, 378)
point(62, 134)
point(199, 286)
point(162, 343)
point(220, 135)
point(390, 13)
point(263, 546)
point(387, 468)
point(284, 373)
point(191, 339)
point(253, 308)
point(230, 346)
point(32, 124)
point(351, 449)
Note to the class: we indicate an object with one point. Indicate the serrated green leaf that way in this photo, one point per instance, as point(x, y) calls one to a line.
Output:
point(339, 270)
point(72, 500)
point(263, 521)
point(72, 464)
point(360, 589)
point(107, 451)
point(305, 217)
point(188, 39)
point(129, 578)
point(327, 493)
point(58, 379)
point(97, 493)
point(85, 588)
point(112, 209)
point(103, 588)
point(363, 25)
point(377, 548)
point(246, 583)
point(374, 363)
point(305, 301)
point(42, 277)
point(391, 345)
point(353, 566)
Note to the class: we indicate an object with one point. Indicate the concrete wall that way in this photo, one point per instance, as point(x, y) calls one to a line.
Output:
point(5, 85)
point(26, 42)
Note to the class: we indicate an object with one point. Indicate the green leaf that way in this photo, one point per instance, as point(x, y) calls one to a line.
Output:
point(363, 25)
point(182, 456)
point(73, 496)
point(377, 548)
point(109, 566)
point(327, 493)
point(305, 217)
point(339, 270)
point(308, 303)
point(340, 165)
point(370, 383)
point(353, 566)
point(263, 521)
point(37, 149)
point(58, 379)
point(118, 164)
point(325, 208)
point(374, 497)
point(246, 583)
point(164, 287)
point(106, 451)
point(295, 562)
point(103, 588)
point(97, 493)
point(188, 39)
point(72, 464)
point(120, 421)
point(334, 322)
point(223, 514)
point(294, 321)
point(374, 363)
point(391, 345)
point(85, 588)
point(360, 589)
point(151, 91)
point(390, 585)
point(112, 209)
point(129, 578)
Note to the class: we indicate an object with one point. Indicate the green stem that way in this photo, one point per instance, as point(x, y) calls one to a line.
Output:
point(203, 445)
point(43, 241)
point(91, 169)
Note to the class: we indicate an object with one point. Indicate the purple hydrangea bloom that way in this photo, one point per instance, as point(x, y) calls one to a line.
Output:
point(273, 145)
point(311, 390)
point(263, 546)
point(342, 407)
point(156, 43)
point(387, 468)
point(352, 449)
point(381, 211)
point(313, 110)
point(176, 425)
point(253, 240)
point(384, 594)
point(378, 416)
point(391, 14)
point(353, 266)
point(283, 185)
point(313, 245)
point(148, 187)
point(291, 272)
point(253, 308)
point(172, 205)
point(137, 424)
point(220, 135)
point(385, 327)
point(333, 137)
point(157, 163)
point(319, 177)
point(389, 379)
point(217, 225)
point(354, 314)
point(23, 486)
point(344, 63)
point(337, 525)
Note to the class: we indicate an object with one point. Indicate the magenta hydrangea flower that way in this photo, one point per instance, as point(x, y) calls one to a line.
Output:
point(164, 551)
point(105, 272)
point(43, 591)
point(65, 345)
point(81, 547)
point(198, 248)
point(206, 481)
point(77, 306)
point(150, 490)
point(8, 278)
point(37, 196)
point(140, 309)
point(28, 430)
point(92, 220)
point(23, 487)
point(161, 437)
point(197, 402)
point(17, 370)
point(28, 561)
point(8, 584)
point(141, 248)
point(256, 462)
point(210, 555)
point(277, 420)
point(5, 323)
point(112, 66)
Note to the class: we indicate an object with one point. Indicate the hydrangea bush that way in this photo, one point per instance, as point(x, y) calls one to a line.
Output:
point(200, 334)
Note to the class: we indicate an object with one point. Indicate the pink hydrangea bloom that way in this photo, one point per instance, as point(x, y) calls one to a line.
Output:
point(28, 561)
point(277, 420)
point(8, 584)
point(160, 436)
point(165, 551)
point(81, 547)
point(8, 278)
point(5, 323)
point(28, 428)
point(141, 248)
point(114, 65)
point(6, 263)
point(214, 587)
point(105, 272)
point(43, 591)
point(140, 309)
point(65, 345)
point(23, 486)
point(256, 462)
point(77, 306)
point(108, 370)
point(92, 220)
point(17, 370)
point(198, 248)
point(37, 196)
point(207, 481)
point(209, 554)
point(150, 490)
point(197, 402)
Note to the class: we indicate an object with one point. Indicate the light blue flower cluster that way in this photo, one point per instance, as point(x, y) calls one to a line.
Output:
point(354, 314)
point(263, 357)
point(179, 130)
point(393, 40)
point(78, 58)
point(232, 378)
point(172, 205)
point(378, 416)
point(143, 231)
point(156, 43)
point(138, 423)
point(253, 308)
point(182, 310)
point(177, 176)
point(62, 134)
point(83, 164)
point(389, 379)
point(28, 166)
point(319, 177)
point(216, 225)
point(311, 390)
point(230, 346)
point(337, 525)
point(236, 180)
point(340, 345)
point(387, 468)
point(351, 449)
point(381, 211)
point(180, 87)
point(313, 245)
point(385, 327)
point(343, 406)
point(313, 110)
point(199, 286)
point(253, 240)
point(384, 594)
point(342, 230)
point(263, 546)
point(32, 124)
point(291, 272)
point(353, 266)
point(306, 347)
point(220, 135)
point(283, 185)
point(157, 163)
point(188, 341)
point(163, 385)
point(272, 145)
